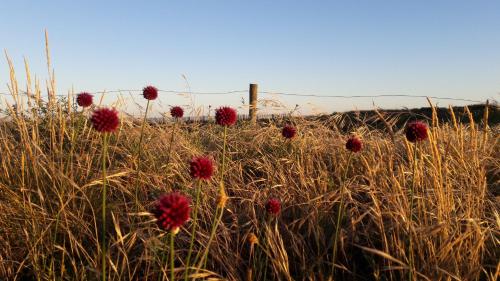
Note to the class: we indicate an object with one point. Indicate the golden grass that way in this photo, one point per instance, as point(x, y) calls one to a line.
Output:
point(50, 200)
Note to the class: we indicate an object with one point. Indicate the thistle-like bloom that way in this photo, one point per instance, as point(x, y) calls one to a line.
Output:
point(288, 131)
point(84, 99)
point(225, 116)
point(201, 167)
point(105, 120)
point(150, 92)
point(172, 211)
point(354, 144)
point(177, 112)
point(273, 206)
point(416, 131)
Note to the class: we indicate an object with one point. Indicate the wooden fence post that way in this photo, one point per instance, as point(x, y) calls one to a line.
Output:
point(252, 112)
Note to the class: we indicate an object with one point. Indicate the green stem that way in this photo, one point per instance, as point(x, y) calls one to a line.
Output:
point(142, 129)
point(339, 213)
point(104, 156)
point(220, 210)
point(410, 243)
point(172, 256)
point(193, 231)
point(139, 152)
point(170, 145)
point(223, 156)
point(217, 216)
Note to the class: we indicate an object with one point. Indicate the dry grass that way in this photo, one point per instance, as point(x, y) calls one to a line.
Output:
point(50, 200)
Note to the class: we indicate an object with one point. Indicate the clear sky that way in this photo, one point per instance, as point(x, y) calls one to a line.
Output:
point(437, 48)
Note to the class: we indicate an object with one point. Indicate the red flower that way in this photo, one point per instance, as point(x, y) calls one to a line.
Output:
point(289, 131)
point(84, 99)
point(273, 206)
point(177, 112)
point(354, 144)
point(172, 211)
point(105, 120)
point(201, 167)
point(416, 131)
point(150, 93)
point(225, 116)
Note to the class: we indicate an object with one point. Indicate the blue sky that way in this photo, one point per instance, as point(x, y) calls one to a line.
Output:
point(436, 48)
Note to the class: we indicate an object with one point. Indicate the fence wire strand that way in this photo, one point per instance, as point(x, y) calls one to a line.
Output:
point(281, 94)
point(369, 96)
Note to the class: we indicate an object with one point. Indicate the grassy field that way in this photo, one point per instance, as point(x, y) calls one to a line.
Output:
point(51, 200)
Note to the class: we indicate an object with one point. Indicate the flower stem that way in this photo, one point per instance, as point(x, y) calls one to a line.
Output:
point(339, 213)
point(410, 221)
point(139, 152)
point(193, 231)
point(172, 256)
point(142, 129)
point(223, 157)
point(170, 145)
point(103, 247)
point(217, 219)
point(220, 209)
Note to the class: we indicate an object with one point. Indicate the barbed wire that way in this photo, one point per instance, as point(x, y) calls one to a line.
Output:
point(279, 93)
point(178, 92)
point(161, 91)
point(369, 96)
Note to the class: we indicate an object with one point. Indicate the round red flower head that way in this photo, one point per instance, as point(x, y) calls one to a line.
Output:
point(225, 116)
point(84, 99)
point(105, 120)
point(354, 144)
point(288, 131)
point(172, 211)
point(273, 206)
point(150, 92)
point(201, 167)
point(416, 131)
point(177, 112)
